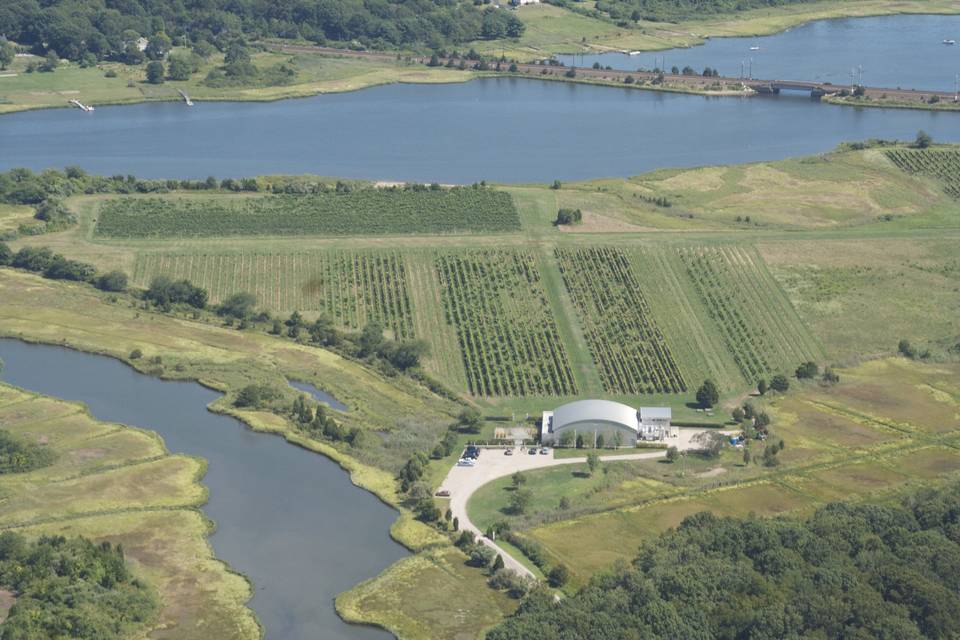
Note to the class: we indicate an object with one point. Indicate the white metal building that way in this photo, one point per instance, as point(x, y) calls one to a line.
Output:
point(616, 422)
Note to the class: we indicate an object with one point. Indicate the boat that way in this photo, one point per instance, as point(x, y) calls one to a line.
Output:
point(81, 106)
point(635, 53)
point(949, 42)
point(755, 47)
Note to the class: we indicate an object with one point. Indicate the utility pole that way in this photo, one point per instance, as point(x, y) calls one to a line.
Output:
point(860, 68)
point(956, 88)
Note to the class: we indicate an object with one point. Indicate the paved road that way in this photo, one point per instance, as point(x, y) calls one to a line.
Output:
point(493, 464)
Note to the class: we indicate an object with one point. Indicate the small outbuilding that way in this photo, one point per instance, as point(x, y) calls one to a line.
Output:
point(616, 422)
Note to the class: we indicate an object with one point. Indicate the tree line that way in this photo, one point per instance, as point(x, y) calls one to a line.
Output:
point(628, 12)
point(847, 571)
point(100, 30)
point(71, 588)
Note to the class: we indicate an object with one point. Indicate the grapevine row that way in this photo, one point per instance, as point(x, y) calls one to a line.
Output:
point(507, 336)
point(627, 346)
point(942, 164)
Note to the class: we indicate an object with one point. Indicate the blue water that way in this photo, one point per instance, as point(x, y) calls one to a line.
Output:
point(319, 394)
point(894, 51)
point(289, 519)
point(499, 129)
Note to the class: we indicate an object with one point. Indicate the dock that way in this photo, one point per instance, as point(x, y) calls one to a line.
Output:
point(186, 98)
point(81, 106)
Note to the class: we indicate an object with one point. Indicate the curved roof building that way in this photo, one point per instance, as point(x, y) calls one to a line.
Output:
point(604, 417)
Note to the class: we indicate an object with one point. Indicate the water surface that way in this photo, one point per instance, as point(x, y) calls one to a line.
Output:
point(501, 129)
point(894, 51)
point(289, 519)
point(319, 394)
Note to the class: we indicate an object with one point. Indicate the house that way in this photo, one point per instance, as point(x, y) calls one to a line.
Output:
point(616, 422)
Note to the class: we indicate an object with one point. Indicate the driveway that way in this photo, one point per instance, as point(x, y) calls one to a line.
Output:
point(461, 482)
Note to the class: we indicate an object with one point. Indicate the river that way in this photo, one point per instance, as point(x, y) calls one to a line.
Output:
point(499, 129)
point(894, 51)
point(287, 518)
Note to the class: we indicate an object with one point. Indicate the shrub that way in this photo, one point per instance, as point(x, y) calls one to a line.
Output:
point(568, 216)
point(807, 370)
point(779, 383)
point(708, 395)
point(112, 281)
point(558, 576)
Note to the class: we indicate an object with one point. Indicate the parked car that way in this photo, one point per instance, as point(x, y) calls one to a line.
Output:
point(466, 462)
point(443, 493)
point(472, 452)
point(508, 452)
point(532, 451)
point(544, 451)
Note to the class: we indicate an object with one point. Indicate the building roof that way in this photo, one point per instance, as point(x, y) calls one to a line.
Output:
point(595, 411)
point(655, 413)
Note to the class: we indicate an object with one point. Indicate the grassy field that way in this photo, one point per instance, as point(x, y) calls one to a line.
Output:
point(116, 483)
point(889, 424)
point(315, 74)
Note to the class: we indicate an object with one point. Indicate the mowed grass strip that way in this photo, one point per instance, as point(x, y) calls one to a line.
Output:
point(508, 339)
point(352, 287)
point(369, 211)
point(628, 347)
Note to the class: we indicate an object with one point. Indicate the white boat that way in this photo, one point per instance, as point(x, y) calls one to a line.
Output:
point(635, 53)
point(950, 42)
point(755, 47)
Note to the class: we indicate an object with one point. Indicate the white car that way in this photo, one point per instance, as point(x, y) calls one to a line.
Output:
point(466, 462)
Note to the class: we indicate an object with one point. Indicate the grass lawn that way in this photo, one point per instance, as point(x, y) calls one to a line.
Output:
point(110, 482)
point(431, 595)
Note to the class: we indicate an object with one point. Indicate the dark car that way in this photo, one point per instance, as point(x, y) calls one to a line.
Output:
point(532, 451)
point(472, 452)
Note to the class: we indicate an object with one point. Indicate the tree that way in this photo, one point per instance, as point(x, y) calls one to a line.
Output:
point(556, 185)
point(779, 383)
point(829, 377)
point(6, 254)
point(738, 415)
point(711, 443)
point(518, 479)
point(746, 456)
point(673, 454)
point(456, 524)
point(111, 281)
point(807, 370)
point(906, 349)
point(762, 387)
point(50, 62)
point(568, 216)
point(158, 46)
point(239, 305)
point(600, 441)
point(923, 140)
point(558, 576)
point(7, 53)
point(580, 441)
point(371, 338)
point(155, 72)
point(497, 564)
point(470, 420)
point(481, 556)
point(179, 67)
point(434, 61)
point(762, 421)
point(708, 395)
point(520, 500)
point(593, 462)
point(566, 438)
point(512, 68)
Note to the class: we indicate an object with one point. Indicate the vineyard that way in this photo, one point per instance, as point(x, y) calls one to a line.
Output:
point(759, 327)
point(626, 344)
point(942, 164)
point(507, 334)
point(352, 287)
point(362, 212)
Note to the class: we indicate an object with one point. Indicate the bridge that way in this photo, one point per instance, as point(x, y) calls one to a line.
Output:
point(692, 83)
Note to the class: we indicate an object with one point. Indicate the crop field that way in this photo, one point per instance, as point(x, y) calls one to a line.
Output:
point(386, 211)
point(352, 287)
point(761, 330)
point(508, 338)
point(627, 345)
point(941, 164)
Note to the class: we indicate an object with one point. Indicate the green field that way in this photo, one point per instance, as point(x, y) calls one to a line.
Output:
point(353, 288)
point(387, 211)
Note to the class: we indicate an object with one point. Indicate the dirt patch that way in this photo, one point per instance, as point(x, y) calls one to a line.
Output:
point(86, 455)
point(43, 440)
point(7, 600)
point(712, 473)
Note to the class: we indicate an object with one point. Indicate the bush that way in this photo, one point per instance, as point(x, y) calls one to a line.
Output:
point(112, 281)
point(779, 383)
point(923, 140)
point(155, 72)
point(18, 456)
point(568, 216)
point(481, 556)
point(136, 354)
point(239, 305)
point(558, 576)
point(6, 254)
point(255, 396)
point(807, 370)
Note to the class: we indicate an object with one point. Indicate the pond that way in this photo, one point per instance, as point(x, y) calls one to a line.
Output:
point(499, 129)
point(319, 395)
point(894, 51)
point(289, 519)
